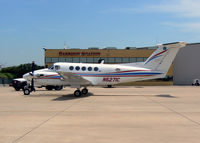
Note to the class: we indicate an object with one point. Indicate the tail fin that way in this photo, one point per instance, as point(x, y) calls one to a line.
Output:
point(162, 58)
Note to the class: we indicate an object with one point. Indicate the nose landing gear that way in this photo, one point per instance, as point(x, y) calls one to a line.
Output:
point(28, 89)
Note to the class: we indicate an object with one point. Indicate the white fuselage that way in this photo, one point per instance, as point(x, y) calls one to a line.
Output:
point(97, 74)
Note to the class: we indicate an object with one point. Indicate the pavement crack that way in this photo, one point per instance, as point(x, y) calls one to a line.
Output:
point(45, 121)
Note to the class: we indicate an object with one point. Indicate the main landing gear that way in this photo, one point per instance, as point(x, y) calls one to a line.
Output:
point(78, 92)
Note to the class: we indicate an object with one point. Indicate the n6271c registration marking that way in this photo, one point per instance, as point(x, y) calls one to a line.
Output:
point(111, 79)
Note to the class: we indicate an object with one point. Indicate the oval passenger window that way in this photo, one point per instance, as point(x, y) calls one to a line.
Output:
point(96, 69)
point(89, 68)
point(77, 68)
point(83, 68)
point(71, 68)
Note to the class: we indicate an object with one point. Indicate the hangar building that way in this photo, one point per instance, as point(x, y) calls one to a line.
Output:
point(186, 65)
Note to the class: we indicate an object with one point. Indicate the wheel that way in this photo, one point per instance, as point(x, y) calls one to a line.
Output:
point(77, 93)
point(49, 88)
point(58, 87)
point(26, 91)
point(17, 88)
point(84, 91)
point(109, 86)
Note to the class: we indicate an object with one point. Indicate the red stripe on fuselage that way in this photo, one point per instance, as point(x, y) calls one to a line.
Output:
point(114, 75)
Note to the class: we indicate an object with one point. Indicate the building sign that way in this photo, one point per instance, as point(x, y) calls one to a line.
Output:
point(79, 53)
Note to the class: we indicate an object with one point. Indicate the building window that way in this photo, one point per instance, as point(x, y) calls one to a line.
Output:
point(132, 60)
point(140, 59)
point(71, 68)
point(48, 60)
point(83, 60)
point(105, 60)
point(54, 60)
point(118, 60)
point(76, 60)
point(69, 60)
point(111, 60)
point(89, 60)
point(83, 68)
point(61, 59)
point(96, 69)
point(77, 68)
point(96, 60)
point(89, 68)
point(125, 60)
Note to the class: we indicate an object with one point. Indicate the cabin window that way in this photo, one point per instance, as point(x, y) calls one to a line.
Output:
point(89, 68)
point(77, 68)
point(71, 68)
point(96, 69)
point(83, 68)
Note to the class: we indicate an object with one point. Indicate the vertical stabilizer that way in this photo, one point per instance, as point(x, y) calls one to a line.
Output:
point(162, 58)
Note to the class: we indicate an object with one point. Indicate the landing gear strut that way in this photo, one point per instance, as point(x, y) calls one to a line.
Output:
point(78, 93)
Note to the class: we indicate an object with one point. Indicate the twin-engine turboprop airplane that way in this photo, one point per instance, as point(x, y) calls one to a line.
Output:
point(82, 75)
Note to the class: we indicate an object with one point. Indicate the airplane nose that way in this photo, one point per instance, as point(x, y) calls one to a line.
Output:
point(26, 76)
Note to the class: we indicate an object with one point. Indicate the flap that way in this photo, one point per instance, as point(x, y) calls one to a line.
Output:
point(74, 79)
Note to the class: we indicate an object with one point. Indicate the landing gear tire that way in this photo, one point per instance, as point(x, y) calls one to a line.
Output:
point(58, 87)
point(26, 91)
point(49, 88)
point(77, 93)
point(84, 91)
point(17, 88)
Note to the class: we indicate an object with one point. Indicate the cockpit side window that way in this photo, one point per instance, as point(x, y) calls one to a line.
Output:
point(57, 67)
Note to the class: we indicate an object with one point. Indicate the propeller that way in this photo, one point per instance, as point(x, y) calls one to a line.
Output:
point(32, 74)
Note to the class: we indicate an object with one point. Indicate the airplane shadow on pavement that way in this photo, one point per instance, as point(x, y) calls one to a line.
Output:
point(70, 97)
point(160, 95)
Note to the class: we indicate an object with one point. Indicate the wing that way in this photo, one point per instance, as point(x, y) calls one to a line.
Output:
point(74, 79)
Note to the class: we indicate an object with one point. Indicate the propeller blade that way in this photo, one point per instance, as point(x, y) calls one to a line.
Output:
point(32, 85)
point(32, 81)
point(33, 67)
point(30, 73)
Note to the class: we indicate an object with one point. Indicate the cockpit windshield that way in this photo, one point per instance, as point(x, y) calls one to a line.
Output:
point(54, 67)
point(51, 67)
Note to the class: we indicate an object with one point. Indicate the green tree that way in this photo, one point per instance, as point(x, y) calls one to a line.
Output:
point(17, 71)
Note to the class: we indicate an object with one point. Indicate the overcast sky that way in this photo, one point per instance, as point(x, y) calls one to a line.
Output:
point(27, 25)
